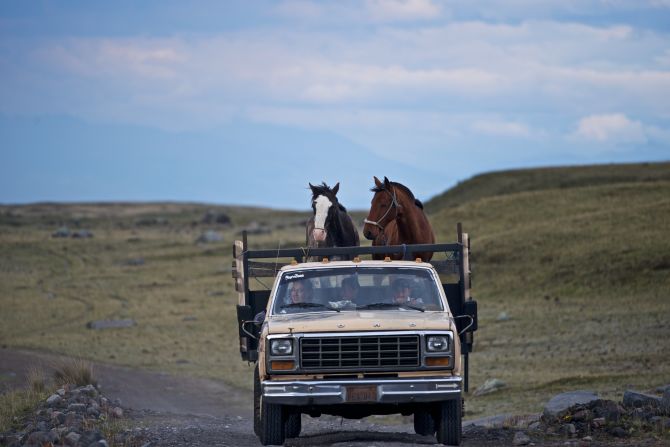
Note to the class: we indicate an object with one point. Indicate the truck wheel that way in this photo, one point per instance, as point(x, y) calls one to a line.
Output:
point(272, 423)
point(448, 422)
point(424, 424)
point(257, 402)
point(293, 424)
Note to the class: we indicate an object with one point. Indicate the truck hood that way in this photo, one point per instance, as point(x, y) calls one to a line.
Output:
point(348, 321)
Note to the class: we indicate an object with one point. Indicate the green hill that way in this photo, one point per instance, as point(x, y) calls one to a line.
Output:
point(526, 180)
point(579, 259)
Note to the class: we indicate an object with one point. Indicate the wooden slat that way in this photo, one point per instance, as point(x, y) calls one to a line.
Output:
point(466, 266)
point(239, 273)
point(264, 269)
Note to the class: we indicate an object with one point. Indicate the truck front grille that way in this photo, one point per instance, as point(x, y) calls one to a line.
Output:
point(365, 352)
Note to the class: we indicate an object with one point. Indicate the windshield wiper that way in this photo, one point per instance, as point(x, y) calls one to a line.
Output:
point(307, 305)
point(411, 306)
point(390, 306)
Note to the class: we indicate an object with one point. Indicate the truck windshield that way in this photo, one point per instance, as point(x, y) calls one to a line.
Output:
point(357, 288)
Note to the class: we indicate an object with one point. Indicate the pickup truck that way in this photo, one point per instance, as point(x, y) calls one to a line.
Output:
point(397, 343)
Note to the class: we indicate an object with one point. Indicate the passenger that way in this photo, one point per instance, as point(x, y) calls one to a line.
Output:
point(401, 290)
point(350, 288)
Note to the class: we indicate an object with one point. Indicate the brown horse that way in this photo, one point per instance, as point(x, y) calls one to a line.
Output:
point(396, 218)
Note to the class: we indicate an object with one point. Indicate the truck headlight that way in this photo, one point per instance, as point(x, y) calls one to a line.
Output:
point(281, 347)
point(437, 343)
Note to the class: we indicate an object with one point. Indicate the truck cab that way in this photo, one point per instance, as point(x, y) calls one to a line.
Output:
point(356, 338)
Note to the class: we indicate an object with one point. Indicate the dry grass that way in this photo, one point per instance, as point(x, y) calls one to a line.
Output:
point(74, 371)
point(36, 380)
point(19, 403)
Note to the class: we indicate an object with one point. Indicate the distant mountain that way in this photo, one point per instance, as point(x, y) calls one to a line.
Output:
point(56, 158)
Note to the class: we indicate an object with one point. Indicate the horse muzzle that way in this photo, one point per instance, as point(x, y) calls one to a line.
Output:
point(319, 234)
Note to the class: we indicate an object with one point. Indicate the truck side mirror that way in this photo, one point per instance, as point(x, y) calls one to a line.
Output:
point(470, 308)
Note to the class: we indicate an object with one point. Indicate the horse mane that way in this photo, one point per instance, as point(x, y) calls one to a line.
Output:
point(317, 190)
point(324, 189)
point(404, 188)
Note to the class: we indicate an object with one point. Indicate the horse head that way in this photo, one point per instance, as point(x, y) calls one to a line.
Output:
point(397, 217)
point(324, 204)
point(384, 209)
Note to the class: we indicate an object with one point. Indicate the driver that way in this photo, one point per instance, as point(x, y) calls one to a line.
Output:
point(301, 292)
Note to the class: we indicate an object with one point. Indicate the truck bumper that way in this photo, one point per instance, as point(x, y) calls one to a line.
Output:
point(387, 391)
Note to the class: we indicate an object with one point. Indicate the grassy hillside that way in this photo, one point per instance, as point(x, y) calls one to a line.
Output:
point(584, 275)
point(525, 180)
point(578, 258)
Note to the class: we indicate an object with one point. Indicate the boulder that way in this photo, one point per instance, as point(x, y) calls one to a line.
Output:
point(72, 438)
point(502, 316)
point(82, 234)
point(256, 228)
point(151, 221)
point(54, 400)
point(559, 404)
point(665, 401)
point(490, 386)
point(208, 237)
point(213, 217)
point(607, 409)
point(520, 438)
point(635, 399)
point(61, 232)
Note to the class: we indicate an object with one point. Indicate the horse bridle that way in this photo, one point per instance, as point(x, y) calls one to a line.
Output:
point(394, 204)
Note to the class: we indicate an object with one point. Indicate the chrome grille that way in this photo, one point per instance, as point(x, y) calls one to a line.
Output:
point(365, 352)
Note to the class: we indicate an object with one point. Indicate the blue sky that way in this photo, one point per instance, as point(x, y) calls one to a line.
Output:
point(246, 102)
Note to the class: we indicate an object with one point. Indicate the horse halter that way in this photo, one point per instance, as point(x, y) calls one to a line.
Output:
point(394, 204)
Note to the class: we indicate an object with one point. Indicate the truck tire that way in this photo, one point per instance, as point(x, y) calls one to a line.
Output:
point(424, 423)
point(257, 402)
point(272, 423)
point(293, 424)
point(448, 422)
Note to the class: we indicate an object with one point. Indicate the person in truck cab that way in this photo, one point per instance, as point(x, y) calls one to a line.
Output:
point(401, 290)
point(350, 289)
point(301, 292)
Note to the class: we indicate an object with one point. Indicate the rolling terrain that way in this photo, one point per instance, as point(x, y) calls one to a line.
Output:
point(571, 270)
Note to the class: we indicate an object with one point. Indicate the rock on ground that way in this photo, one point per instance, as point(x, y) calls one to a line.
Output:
point(560, 403)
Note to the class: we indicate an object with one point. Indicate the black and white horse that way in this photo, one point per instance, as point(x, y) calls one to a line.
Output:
point(330, 226)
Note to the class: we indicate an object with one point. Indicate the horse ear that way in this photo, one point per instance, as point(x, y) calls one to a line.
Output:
point(378, 183)
point(336, 188)
point(386, 182)
point(311, 187)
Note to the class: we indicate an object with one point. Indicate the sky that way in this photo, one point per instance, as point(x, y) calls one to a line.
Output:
point(246, 102)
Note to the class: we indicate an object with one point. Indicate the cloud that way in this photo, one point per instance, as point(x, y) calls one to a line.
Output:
point(301, 9)
point(502, 128)
point(612, 128)
point(452, 82)
point(402, 10)
point(352, 11)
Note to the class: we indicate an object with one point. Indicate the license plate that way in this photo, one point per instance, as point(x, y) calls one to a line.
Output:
point(366, 393)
